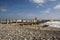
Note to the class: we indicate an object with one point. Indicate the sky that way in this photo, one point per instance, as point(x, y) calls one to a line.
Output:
point(28, 9)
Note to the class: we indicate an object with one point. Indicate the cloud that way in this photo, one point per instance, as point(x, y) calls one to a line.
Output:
point(38, 1)
point(46, 11)
point(3, 9)
point(52, 0)
point(31, 15)
point(57, 7)
point(26, 15)
point(41, 2)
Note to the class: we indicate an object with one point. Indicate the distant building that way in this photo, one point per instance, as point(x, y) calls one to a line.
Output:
point(19, 20)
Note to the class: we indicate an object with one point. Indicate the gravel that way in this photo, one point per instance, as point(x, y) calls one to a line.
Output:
point(11, 32)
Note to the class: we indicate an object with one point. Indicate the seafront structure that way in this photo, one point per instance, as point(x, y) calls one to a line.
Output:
point(20, 21)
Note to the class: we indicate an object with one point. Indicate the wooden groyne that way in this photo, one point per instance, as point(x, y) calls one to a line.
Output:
point(25, 22)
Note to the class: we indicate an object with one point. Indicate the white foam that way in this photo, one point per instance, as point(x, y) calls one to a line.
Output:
point(53, 24)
